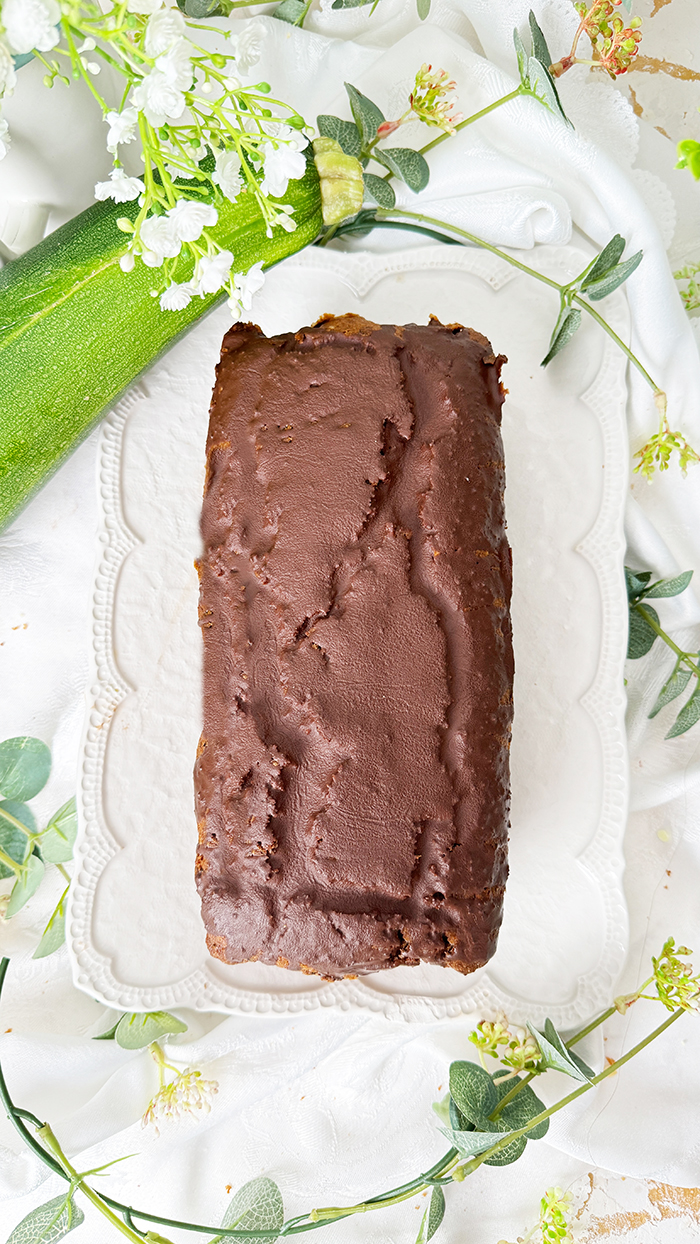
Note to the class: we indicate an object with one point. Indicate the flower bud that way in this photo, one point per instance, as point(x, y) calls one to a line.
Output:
point(125, 224)
point(342, 187)
point(218, 60)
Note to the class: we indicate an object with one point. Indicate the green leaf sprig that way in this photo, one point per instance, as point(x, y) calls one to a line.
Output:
point(25, 764)
point(431, 102)
point(645, 628)
point(601, 277)
point(488, 1119)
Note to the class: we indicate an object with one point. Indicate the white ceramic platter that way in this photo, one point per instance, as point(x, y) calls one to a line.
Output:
point(136, 936)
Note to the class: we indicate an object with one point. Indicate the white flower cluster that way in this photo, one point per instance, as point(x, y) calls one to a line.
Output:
point(182, 106)
point(212, 273)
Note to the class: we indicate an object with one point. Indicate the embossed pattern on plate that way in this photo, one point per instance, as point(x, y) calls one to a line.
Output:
point(135, 933)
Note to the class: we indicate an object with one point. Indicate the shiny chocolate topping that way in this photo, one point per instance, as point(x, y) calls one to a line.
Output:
point(352, 776)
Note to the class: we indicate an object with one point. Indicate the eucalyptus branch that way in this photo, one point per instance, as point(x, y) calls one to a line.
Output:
point(660, 447)
point(645, 628)
point(676, 988)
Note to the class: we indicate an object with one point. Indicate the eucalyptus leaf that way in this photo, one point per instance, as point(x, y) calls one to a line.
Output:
point(368, 117)
point(345, 133)
point(456, 1119)
point(473, 1092)
point(21, 812)
point(539, 44)
point(349, 4)
point(25, 764)
point(510, 1153)
point(26, 885)
point(423, 7)
point(48, 1223)
point(607, 259)
point(642, 635)
point(670, 587)
point(58, 839)
point(12, 840)
point(407, 164)
point(568, 323)
point(443, 1111)
point(543, 87)
point(379, 190)
point(675, 686)
point(291, 11)
point(555, 1039)
point(555, 1055)
point(257, 1206)
point(136, 1031)
point(608, 284)
point(201, 8)
point(110, 1034)
point(468, 1144)
point(522, 56)
point(636, 581)
point(525, 1106)
point(54, 934)
point(688, 715)
point(433, 1216)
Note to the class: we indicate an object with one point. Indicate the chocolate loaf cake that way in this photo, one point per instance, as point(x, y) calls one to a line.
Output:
point(352, 777)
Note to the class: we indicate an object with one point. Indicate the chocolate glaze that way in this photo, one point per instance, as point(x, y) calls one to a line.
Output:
point(352, 777)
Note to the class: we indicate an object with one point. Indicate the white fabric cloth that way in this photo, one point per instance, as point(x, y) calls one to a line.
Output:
point(337, 1106)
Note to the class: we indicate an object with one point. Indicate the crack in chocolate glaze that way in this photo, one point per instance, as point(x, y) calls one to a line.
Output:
point(353, 785)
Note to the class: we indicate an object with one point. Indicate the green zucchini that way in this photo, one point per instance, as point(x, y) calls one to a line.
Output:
point(75, 330)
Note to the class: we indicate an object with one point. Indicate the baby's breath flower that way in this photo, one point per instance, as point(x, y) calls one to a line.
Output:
point(159, 241)
point(158, 98)
point(245, 286)
point(162, 29)
point(227, 174)
point(119, 187)
point(122, 127)
point(127, 262)
point(281, 217)
point(247, 46)
point(283, 158)
point(8, 77)
point(177, 297)
point(31, 24)
point(213, 272)
point(188, 218)
point(176, 64)
point(5, 140)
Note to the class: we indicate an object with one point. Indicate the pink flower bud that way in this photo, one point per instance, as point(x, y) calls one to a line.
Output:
point(387, 128)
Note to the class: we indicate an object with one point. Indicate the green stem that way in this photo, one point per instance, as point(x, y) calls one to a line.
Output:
point(595, 1023)
point(8, 861)
point(435, 142)
point(78, 1182)
point(682, 656)
point(583, 302)
point(12, 820)
point(505, 99)
point(319, 1218)
point(509, 1137)
point(64, 874)
point(519, 1084)
point(387, 213)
